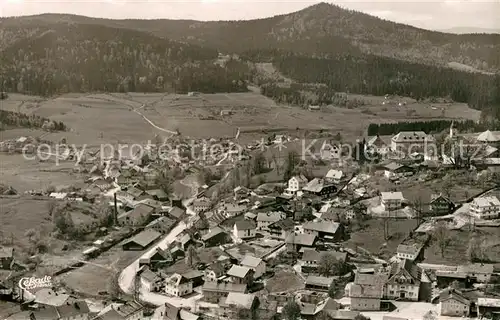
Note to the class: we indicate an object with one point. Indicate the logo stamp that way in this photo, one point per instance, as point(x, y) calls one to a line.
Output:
point(33, 283)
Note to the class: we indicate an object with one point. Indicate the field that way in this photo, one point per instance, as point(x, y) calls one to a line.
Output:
point(371, 238)
point(95, 275)
point(284, 280)
point(24, 175)
point(110, 118)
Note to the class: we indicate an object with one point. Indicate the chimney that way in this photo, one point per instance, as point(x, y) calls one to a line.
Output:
point(116, 210)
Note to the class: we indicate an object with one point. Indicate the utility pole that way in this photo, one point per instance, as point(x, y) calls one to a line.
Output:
point(115, 214)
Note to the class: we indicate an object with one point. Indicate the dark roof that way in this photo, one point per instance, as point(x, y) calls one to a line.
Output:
point(286, 224)
point(6, 252)
point(140, 211)
point(145, 238)
point(191, 274)
point(213, 232)
point(176, 212)
point(453, 294)
point(245, 225)
point(224, 287)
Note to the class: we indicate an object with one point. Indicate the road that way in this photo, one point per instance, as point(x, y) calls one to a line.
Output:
point(127, 276)
point(151, 122)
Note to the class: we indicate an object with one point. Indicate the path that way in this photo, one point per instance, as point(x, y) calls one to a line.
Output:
point(151, 122)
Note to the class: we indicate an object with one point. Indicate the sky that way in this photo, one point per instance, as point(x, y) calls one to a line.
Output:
point(436, 15)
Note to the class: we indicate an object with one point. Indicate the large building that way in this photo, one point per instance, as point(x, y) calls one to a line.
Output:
point(409, 142)
point(485, 207)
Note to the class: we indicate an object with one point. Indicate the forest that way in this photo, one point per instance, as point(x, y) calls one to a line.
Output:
point(89, 58)
point(17, 119)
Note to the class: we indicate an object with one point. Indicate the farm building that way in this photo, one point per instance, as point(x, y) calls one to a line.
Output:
point(141, 241)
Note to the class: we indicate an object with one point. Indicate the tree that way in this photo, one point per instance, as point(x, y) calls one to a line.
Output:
point(165, 181)
point(329, 265)
point(291, 311)
point(292, 160)
point(114, 287)
point(259, 163)
point(190, 256)
point(332, 290)
point(442, 236)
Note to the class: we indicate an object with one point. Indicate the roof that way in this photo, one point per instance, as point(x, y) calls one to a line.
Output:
point(409, 136)
point(376, 141)
point(455, 295)
point(300, 178)
point(218, 268)
point(488, 302)
point(250, 261)
point(240, 300)
point(159, 193)
point(149, 275)
point(176, 212)
point(315, 185)
point(334, 174)
point(476, 268)
point(409, 249)
point(270, 216)
point(486, 201)
point(176, 279)
point(238, 271)
point(192, 274)
point(73, 309)
point(392, 195)
point(224, 287)
point(212, 233)
point(49, 297)
point(145, 238)
point(171, 312)
point(487, 136)
point(286, 224)
point(322, 226)
point(301, 239)
point(311, 255)
point(407, 267)
point(140, 211)
point(319, 281)
point(439, 197)
point(245, 225)
point(393, 166)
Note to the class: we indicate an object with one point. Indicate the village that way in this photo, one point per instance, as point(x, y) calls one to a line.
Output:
point(401, 233)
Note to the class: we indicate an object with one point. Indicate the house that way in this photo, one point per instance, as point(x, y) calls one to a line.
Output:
point(215, 237)
point(264, 219)
point(280, 230)
point(295, 184)
point(244, 229)
point(215, 271)
point(315, 107)
point(440, 205)
point(391, 200)
point(160, 258)
point(329, 152)
point(487, 307)
point(485, 207)
point(240, 275)
point(376, 145)
point(177, 285)
point(238, 305)
point(404, 281)
point(394, 170)
point(317, 283)
point(257, 265)
point(137, 216)
point(477, 272)
point(201, 204)
point(170, 312)
point(240, 193)
point(185, 241)
point(195, 276)
point(176, 252)
point(231, 209)
point(150, 280)
point(318, 187)
point(410, 252)
point(326, 230)
point(6, 257)
point(119, 311)
point(454, 304)
point(213, 291)
point(77, 309)
point(162, 224)
point(177, 213)
point(158, 194)
point(366, 291)
point(310, 259)
point(294, 243)
point(141, 241)
point(409, 142)
point(334, 176)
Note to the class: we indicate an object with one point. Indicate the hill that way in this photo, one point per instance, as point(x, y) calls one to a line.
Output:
point(319, 30)
point(53, 58)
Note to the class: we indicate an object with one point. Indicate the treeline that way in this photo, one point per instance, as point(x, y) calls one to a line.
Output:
point(434, 126)
point(375, 75)
point(17, 119)
point(83, 58)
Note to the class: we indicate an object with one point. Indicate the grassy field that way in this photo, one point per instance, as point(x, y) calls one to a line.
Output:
point(371, 238)
point(96, 274)
point(284, 280)
point(109, 118)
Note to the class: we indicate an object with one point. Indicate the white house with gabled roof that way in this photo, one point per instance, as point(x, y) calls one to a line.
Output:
point(392, 200)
